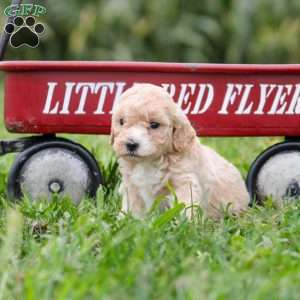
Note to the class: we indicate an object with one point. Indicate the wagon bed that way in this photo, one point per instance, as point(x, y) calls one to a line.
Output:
point(220, 100)
point(50, 97)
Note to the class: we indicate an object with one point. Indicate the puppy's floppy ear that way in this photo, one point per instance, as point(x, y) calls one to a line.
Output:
point(183, 132)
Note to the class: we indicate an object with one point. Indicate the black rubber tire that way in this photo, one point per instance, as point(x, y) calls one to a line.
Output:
point(14, 190)
point(260, 161)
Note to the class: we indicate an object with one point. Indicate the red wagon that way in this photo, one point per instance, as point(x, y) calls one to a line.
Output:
point(47, 98)
point(78, 97)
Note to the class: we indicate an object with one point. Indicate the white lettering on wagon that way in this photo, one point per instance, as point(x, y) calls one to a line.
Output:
point(119, 91)
point(265, 92)
point(295, 102)
point(83, 89)
point(46, 110)
point(67, 98)
point(241, 94)
point(189, 91)
point(100, 98)
point(103, 87)
point(198, 108)
point(186, 91)
point(279, 103)
point(234, 90)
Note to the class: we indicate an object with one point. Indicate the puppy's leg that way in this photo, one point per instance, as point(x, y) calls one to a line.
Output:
point(191, 195)
point(131, 202)
point(124, 194)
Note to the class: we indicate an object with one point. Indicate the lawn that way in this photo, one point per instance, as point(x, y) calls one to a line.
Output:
point(59, 251)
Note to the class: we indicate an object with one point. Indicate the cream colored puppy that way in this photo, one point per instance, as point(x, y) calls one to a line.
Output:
point(157, 145)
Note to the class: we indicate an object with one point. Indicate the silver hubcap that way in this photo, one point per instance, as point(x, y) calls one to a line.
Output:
point(55, 170)
point(279, 177)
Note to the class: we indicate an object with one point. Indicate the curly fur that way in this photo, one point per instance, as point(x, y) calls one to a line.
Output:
point(171, 154)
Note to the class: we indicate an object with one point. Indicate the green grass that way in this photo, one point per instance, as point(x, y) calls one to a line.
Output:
point(59, 251)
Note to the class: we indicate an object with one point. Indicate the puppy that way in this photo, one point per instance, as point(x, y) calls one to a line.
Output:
point(156, 146)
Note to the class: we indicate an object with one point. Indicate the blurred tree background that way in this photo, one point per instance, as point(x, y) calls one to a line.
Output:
point(215, 31)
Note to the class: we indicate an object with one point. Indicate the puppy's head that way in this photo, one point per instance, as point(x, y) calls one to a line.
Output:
point(147, 124)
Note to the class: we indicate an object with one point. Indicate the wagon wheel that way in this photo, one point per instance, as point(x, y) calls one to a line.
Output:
point(54, 167)
point(276, 173)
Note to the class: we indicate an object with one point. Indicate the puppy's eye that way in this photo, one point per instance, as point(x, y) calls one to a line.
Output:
point(121, 121)
point(154, 125)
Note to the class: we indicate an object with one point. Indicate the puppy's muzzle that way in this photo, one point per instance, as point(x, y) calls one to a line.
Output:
point(132, 146)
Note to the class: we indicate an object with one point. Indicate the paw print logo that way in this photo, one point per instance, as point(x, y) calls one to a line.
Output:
point(24, 32)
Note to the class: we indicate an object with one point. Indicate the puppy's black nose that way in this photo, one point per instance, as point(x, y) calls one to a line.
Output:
point(131, 146)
